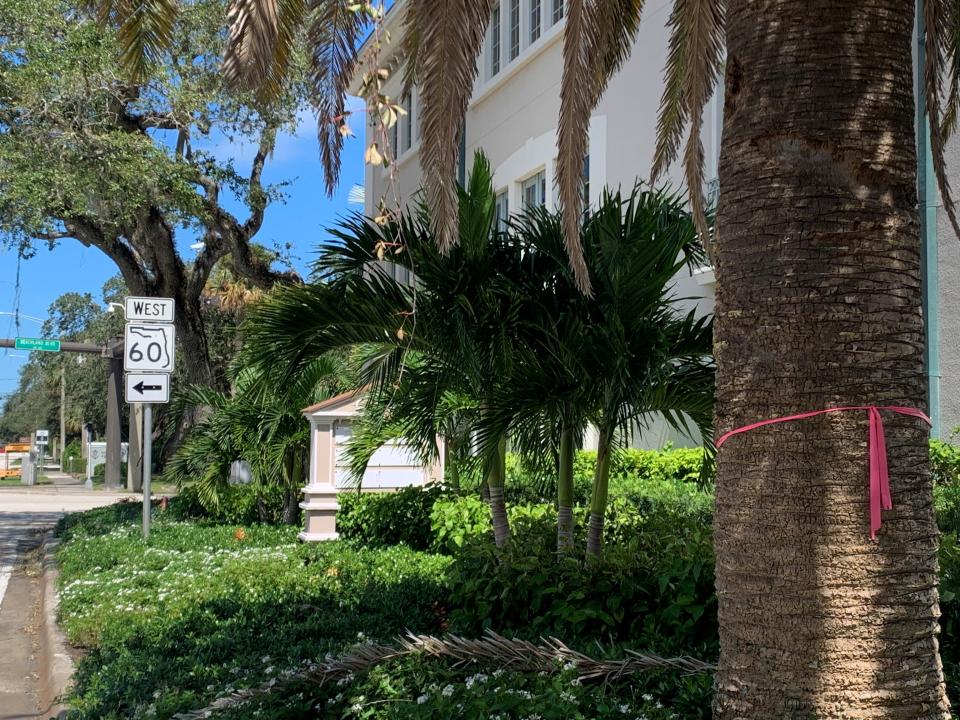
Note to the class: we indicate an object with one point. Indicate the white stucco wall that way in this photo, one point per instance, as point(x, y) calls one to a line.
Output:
point(948, 262)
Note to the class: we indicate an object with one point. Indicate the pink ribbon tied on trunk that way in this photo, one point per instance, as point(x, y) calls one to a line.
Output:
point(876, 446)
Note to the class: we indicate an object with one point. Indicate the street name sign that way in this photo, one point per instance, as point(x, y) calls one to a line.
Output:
point(148, 388)
point(148, 310)
point(148, 347)
point(43, 437)
point(42, 344)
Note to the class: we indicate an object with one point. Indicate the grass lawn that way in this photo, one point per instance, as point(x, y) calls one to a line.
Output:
point(16, 482)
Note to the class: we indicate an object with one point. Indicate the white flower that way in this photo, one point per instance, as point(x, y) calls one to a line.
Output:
point(447, 691)
point(422, 699)
point(475, 679)
point(647, 697)
point(568, 697)
point(624, 708)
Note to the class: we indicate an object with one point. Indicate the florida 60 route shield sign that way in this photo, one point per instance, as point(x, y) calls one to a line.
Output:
point(148, 347)
point(147, 388)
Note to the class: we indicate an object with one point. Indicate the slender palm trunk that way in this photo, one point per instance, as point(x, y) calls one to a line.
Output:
point(496, 478)
point(565, 492)
point(818, 305)
point(601, 488)
point(450, 464)
point(293, 482)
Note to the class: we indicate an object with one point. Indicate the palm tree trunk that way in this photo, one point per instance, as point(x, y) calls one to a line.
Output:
point(450, 465)
point(496, 478)
point(601, 488)
point(818, 305)
point(296, 481)
point(565, 492)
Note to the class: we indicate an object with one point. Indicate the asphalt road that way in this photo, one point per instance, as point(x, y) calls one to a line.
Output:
point(24, 515)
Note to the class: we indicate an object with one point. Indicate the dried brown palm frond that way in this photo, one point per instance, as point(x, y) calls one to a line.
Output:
point(575, 106)
point(261, 42)
point(597, 39)
point(332, 41)
point(144, 29)
point(693, 62)
point(410, 53)
point(550, 656)
point(450, 34)
point(940, 48)
point(951, 66)
point(705, 41)
point(613, 28)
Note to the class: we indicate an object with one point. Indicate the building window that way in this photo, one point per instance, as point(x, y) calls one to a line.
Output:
point(534, 190)
point(406, 125)
point(415, 104)
point(557, 11)
point(501, 211)
point(494, 47)
point(394, 141)
point(535, 20)
point(514, 28)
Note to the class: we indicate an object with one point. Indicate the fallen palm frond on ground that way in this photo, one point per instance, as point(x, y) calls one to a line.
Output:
point(519, 655)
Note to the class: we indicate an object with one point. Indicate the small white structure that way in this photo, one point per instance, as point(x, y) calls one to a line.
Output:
point(97, 455)
point(392, 467)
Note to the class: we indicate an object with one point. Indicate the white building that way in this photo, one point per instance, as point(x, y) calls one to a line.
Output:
point(513, 116)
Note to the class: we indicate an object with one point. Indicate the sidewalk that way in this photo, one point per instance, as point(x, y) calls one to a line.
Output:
point(25, 663)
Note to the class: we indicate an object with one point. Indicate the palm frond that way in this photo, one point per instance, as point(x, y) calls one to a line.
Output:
point(613, 26)
point(260, 43)
point(951, 65)
point(575, 109)
point(332, 39)
point(450, 36)
point(598, 38)
point(693, 63)
point(939, 21)
point(144, 30)
point(492, 650)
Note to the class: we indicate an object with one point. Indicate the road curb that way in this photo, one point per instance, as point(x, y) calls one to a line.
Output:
point(56, 664)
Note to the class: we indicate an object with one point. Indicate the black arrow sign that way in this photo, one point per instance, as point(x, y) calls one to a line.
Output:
point(141, 388)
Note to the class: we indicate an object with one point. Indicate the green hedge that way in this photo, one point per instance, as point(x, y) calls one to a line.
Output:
point(380, 519)
point(239, 505)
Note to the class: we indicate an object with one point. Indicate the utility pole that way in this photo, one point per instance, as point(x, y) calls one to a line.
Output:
point(63, 411)
point(111, 477)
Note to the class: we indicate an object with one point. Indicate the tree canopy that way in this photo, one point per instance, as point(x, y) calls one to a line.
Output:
point(127, 166)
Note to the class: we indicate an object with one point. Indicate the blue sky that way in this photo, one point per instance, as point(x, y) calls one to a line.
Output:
point(301, 221)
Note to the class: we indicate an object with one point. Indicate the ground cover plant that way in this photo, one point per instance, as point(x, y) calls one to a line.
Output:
point(211, 607)
point(205, 608)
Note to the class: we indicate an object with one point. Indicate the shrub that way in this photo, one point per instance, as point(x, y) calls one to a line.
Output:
point(100, 472)
point(454, 520)
point(238, 505)
point(945, 467)
point(391, 518)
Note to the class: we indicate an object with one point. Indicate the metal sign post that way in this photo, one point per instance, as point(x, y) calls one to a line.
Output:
point(148, 355)
point(147, 465)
